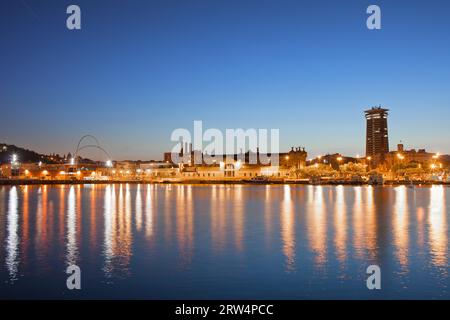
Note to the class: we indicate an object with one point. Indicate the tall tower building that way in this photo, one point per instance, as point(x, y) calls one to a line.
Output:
point(377, 141)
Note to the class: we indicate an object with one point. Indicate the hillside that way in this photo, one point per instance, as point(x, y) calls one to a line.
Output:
point(25, 155)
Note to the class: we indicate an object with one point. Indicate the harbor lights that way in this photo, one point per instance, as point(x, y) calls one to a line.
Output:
point(435, 164)
point(319, 158)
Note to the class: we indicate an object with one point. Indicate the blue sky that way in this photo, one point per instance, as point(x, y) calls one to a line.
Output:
point(137, 70)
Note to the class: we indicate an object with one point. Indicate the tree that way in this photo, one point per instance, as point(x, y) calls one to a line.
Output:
point(317, 170)
point(353, 169)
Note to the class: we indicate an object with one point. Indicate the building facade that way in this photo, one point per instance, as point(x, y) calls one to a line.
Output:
point(377, 139)
point(420, 157)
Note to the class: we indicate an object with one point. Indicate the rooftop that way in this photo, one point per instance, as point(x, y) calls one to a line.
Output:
point(375, 110)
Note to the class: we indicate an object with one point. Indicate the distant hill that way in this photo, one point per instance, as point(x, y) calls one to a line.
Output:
point(30, 156)
point(25, 155)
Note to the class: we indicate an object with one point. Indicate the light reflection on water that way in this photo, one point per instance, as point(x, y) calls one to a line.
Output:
point(12, 241)
point(401, 226)
point(287, 217)
point(438, 238)
point(224, 241)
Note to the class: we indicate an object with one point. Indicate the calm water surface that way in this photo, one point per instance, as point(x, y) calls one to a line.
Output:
point(224, 241)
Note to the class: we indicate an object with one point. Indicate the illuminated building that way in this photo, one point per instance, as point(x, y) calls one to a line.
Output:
point(377, 140)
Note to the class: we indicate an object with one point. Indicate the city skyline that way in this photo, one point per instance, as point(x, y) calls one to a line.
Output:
point(136, 72)
point(381, 148)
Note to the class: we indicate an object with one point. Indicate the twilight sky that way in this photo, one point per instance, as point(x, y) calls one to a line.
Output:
point(137, 70)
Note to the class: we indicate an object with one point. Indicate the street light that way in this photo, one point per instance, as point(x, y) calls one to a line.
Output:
point(109, 163)
point(369, 158)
